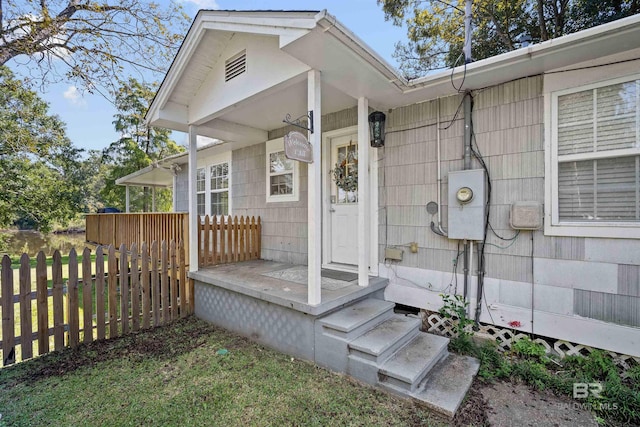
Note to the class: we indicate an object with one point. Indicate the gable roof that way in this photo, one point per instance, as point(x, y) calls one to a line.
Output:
point(319, 41)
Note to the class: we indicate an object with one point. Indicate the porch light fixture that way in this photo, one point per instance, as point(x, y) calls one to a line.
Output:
point(376, 128)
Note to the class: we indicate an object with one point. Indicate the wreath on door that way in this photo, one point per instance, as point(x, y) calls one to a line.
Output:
point(345, 172)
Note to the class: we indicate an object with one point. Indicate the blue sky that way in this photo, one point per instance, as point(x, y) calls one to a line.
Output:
point(89, 117)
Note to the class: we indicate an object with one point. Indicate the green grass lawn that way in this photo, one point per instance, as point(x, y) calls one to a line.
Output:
point(177, 375)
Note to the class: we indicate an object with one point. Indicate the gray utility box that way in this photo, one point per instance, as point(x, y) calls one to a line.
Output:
point(467, 204)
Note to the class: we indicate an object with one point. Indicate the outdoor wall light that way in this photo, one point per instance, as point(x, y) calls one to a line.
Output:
point(376, 128)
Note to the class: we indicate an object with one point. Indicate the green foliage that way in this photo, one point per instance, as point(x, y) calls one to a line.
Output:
point(528, 349)
point(89, 42)
point(619, 400)
point(138, 147)
point(435, 28)
point(38, 163)
point(454, 308)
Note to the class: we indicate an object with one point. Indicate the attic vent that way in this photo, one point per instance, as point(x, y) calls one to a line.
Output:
point(235, 66)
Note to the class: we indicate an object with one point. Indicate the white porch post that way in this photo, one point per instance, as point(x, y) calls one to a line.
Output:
point(193, 201)
point(364, 211)
point(126, 198)
point(314, 193)
point(153, 199)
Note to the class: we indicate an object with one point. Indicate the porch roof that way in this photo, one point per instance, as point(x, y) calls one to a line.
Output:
point(192, 94)
point(161, 173)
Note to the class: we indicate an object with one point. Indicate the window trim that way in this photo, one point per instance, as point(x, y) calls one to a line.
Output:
point(274, 146)
point(553, 226)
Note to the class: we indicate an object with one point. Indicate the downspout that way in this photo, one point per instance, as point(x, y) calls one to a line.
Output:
point(467, 165)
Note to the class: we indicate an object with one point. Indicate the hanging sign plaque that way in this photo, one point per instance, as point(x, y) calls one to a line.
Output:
point(296, 147)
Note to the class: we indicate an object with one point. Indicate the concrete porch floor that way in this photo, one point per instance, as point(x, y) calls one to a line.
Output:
point(252, 278)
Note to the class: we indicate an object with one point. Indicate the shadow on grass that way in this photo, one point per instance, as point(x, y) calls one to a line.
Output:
point(162, 343)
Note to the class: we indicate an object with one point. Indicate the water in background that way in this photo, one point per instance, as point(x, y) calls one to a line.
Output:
point(31, 242)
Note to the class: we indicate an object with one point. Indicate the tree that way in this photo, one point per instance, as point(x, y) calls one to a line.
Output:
point(435, 28)
point(138, 147)
point(36, 157)
point(89, 41)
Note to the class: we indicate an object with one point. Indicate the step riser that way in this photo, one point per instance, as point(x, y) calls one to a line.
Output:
point(382, 357)
point(355, 333)
point(402, 385)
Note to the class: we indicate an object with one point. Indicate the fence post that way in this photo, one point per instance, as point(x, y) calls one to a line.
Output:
point(183, 279)
point(155, 285)
point(42, 295)
point(26, 345)
point(58, 305)
point(87, 295)
point(164, 283)
point(146, 287)
point(124, 289)
point(72, 300)
point(135, 289)
point(112, 276)
point(6, 291)
point(174, 281)
point(100, 303)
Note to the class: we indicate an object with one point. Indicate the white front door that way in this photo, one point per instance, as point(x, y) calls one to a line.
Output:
point(343, 200)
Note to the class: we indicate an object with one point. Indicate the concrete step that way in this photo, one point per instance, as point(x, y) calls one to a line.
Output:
point(353, 320)
point(403, 372)
point(447, 384)
point(378, 344)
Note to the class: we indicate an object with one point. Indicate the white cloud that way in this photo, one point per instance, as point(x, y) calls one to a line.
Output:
point(203, 4)
point(73, 95)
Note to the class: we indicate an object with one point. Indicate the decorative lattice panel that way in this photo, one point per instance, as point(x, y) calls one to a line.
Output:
point(505, 338)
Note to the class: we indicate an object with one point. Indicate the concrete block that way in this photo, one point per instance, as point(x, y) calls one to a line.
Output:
point(409, 365)
point(592, 276)
point(448, 383)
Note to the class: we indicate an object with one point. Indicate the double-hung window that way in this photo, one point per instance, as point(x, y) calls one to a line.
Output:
point(219, 180)
point(213, 185)
point(201, 182)
point(596, 158)
point(282, 174)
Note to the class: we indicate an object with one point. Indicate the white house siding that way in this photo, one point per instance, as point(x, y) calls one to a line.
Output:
point(284, 224)
point(576, 284)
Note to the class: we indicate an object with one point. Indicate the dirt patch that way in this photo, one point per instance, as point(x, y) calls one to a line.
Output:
point(472, 412)
point(161, 343)
point(506, 404)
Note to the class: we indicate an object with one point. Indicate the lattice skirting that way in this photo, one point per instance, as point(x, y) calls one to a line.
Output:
point(505, 337)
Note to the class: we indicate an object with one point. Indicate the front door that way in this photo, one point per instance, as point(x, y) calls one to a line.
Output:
point(343, 199)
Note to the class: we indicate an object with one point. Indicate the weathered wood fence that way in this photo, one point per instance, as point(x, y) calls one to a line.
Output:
point(225, 239)
point(136, 289)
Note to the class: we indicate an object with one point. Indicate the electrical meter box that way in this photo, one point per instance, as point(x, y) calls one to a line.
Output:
point(467, 204)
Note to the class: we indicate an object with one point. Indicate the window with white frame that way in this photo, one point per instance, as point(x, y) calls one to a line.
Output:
point(596, 154)
point(213, 185)
point(282, 174)
point(219, 182)
point(201, 190)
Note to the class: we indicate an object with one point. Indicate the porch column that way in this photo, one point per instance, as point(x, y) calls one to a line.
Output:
point(364, 210)
point(126, 198)
point(193, 200)
point(153, 199)
point(314, 193)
